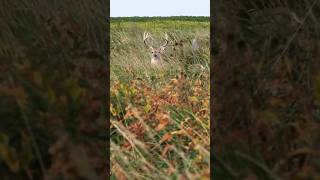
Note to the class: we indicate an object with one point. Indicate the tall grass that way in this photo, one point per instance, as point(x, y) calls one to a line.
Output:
point(52, 89)
point(265, 74)
point(159, 115)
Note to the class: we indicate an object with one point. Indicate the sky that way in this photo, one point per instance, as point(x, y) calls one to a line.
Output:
point(127, 8)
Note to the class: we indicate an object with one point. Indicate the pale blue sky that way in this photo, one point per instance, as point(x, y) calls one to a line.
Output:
point(129, 8)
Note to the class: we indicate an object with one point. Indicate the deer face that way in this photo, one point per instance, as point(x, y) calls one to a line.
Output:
point(155, 53)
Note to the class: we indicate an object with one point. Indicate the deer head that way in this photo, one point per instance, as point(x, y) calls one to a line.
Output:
point(156, 53)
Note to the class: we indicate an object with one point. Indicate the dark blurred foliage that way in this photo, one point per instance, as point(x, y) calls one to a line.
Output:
point(53, 89)
point(266, 89)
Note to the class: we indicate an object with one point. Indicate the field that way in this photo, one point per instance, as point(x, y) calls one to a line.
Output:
point(160, 126)
point(53, 88)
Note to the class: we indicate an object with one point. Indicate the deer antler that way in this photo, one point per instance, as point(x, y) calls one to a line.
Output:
point(145, 37)
point(167, 40)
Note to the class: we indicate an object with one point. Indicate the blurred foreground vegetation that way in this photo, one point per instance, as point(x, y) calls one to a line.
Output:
point(266, 89)
point(52, 88)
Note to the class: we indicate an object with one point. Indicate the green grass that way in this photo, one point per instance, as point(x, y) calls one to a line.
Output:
point(127, 48)
point(160, 115)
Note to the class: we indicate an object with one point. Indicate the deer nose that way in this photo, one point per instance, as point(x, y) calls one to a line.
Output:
point(155, 55)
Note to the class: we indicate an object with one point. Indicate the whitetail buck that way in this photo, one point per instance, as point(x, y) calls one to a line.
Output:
point(156, 53)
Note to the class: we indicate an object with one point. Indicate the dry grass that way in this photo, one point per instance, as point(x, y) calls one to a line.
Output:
point(159, 116)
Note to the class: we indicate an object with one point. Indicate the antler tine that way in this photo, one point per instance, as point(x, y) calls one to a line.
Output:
point(145, 37)
point(166, 39)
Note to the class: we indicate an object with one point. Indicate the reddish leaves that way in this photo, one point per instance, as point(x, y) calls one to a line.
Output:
point(163, 121)
point(167, 137)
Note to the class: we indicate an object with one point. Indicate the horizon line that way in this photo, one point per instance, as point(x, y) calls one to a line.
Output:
point(159, 16)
